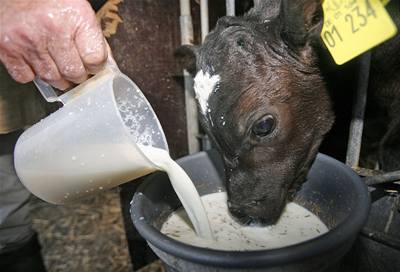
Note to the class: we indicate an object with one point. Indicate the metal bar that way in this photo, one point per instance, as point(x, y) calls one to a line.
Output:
point(230, 7)
point(192, 123)
point(388, 240)
point(257, 3)
point(204, 19)
point(383, 178)
point(365, 172)
point(192, 119)
point(205, 28)
point(186, 24)
point(357, 122)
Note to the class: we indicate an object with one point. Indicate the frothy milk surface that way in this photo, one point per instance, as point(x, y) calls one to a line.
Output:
point(184, 188)
point(296, 225)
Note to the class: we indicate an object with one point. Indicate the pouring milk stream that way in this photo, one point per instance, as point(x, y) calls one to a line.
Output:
point(105, 134)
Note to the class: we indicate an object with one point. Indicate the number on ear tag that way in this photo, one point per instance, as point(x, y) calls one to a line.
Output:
point(352, 27)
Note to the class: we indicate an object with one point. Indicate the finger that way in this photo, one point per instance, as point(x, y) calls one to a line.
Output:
point(68, 61)
point(18, 69)
point(44, 67)
point(91, 46)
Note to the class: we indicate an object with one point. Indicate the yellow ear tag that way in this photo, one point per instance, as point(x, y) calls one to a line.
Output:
point(352, 27)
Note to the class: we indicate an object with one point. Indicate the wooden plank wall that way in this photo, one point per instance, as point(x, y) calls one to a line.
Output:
point(144, 48)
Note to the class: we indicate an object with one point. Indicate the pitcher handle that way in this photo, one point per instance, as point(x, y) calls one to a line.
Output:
point(46, 90)
point(50, 94)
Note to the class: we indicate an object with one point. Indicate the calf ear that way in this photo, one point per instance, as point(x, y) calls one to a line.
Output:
point(187, 56)
point(301, 21)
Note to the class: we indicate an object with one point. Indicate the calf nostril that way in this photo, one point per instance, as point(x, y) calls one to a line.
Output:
point(253, 213)
point(233, 207)
point(230, 162)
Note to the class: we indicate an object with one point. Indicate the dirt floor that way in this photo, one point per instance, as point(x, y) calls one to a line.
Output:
point(85, 236)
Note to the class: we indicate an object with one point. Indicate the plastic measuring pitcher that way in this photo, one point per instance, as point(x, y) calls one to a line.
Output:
point(92, 143)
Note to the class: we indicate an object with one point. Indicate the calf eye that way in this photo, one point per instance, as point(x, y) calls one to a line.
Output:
point(264, 126)
point(240, 42)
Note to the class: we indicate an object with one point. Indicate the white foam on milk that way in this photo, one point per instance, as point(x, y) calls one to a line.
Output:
point(135, 121)
point(138, 117)
point(296, 225)
point(204, 85)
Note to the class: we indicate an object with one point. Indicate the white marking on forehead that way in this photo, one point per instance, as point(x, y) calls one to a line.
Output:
point(204, 85)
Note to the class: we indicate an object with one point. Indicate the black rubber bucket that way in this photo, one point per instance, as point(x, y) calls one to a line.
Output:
point(332, 191)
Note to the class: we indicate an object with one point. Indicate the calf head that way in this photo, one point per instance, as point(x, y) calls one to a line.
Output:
point(263, 103)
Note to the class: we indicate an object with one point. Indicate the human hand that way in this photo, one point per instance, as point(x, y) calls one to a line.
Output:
point(58, 40)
